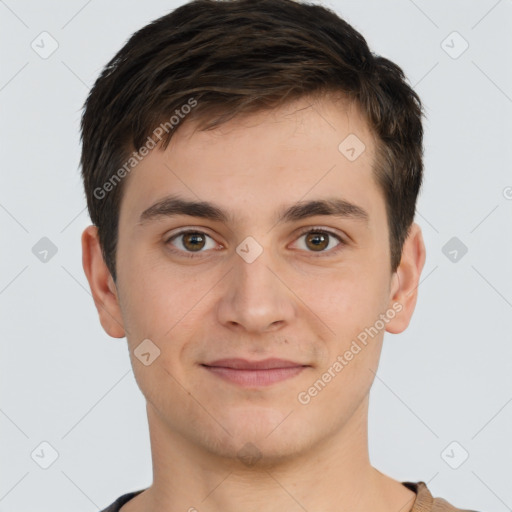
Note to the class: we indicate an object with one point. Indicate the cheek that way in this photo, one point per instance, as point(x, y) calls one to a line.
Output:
point(347, 300)
point(349, 305)
point(156, 294)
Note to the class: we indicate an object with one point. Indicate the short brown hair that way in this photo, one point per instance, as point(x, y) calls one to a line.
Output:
point(241, 56)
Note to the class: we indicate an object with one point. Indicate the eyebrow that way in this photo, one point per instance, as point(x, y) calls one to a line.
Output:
point(173, 205)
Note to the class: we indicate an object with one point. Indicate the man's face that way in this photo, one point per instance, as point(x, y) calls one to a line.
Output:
point(253, 287)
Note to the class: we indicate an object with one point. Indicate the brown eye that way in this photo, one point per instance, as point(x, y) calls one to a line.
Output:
point(320, 241)
point(189, 242)
point(317, 241)
point(193, 241)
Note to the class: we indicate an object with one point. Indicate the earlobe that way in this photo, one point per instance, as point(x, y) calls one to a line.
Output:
point(103, 288)
point(406, 280)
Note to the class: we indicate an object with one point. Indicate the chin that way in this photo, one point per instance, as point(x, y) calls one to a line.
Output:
point(258, 438)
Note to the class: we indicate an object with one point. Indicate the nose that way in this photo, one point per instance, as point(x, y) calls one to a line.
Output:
point(254, 296)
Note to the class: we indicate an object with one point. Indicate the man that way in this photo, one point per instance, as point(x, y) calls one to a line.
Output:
point(251, 170)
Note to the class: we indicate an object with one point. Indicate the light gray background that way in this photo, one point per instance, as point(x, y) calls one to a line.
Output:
point(447, 378)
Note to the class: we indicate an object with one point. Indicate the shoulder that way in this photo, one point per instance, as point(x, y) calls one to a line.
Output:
point(114, 507)
point(425, 502)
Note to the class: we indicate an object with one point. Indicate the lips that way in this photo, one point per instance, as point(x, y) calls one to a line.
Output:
point(254, 374)
point(244, 364)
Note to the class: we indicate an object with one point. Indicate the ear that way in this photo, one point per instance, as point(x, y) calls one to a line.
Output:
point(405, 281)
point(103, 288)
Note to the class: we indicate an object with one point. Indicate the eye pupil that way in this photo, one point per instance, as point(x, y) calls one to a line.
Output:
point(319, 240)
point(193, 239)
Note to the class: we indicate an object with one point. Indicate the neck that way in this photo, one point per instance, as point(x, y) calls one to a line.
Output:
point(335, 475)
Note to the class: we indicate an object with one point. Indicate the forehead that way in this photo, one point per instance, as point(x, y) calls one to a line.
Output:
point(304, 150)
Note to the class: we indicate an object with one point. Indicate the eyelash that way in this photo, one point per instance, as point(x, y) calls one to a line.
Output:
point(189, 254)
